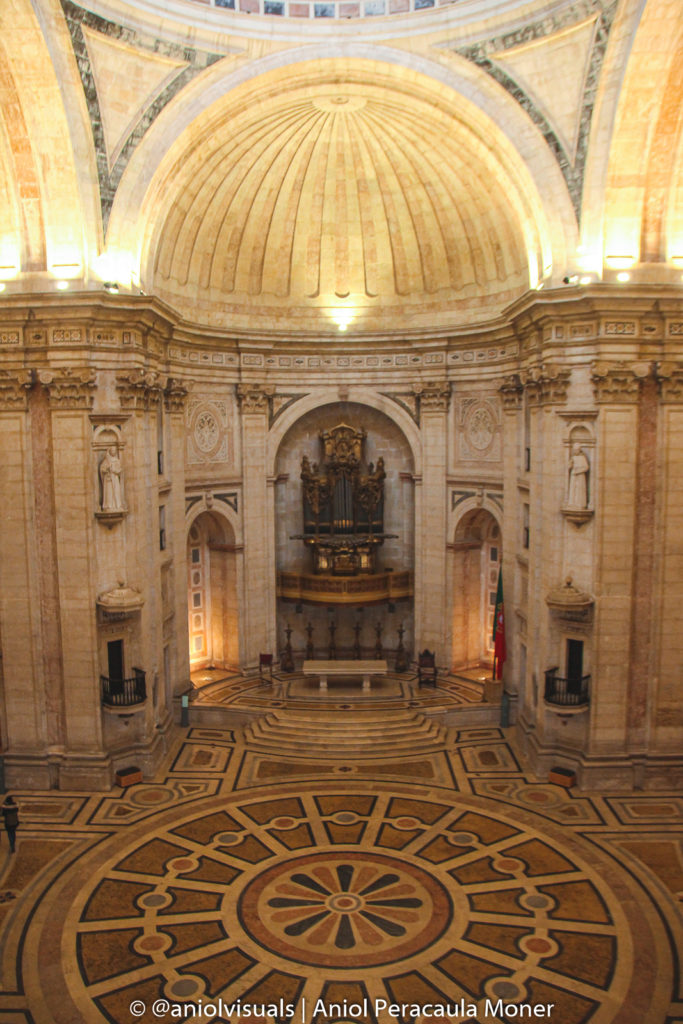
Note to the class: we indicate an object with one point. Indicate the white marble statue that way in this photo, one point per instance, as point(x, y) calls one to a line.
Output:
point(579, 468)
point(110, 475)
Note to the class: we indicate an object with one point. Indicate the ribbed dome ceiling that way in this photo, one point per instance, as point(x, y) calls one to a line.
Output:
point(329, 190)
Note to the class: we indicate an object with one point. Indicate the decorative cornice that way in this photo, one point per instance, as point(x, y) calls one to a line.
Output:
point(14, 388)
point(670, 380)
point(140, 389)
point(618, 382)
point(68, 388)
point(255, 398)
point(511, 391)
point(433, 396)
point(546, 385)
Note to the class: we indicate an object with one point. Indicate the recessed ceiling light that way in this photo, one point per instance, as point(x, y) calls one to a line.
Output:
point(623, 276)
point(62, 286)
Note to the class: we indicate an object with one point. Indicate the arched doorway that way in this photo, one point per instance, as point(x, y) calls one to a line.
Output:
point(212, 593)
point(478, 557)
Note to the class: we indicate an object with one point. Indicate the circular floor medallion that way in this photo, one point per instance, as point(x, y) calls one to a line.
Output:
point(345, 909)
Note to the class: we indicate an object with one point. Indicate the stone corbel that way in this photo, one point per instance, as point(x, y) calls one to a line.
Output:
point(68, 388)
point(255, 398)
point(433, 395)
point(570, 603)
point(119, 603)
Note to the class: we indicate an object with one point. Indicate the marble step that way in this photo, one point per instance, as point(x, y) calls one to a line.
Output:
point(405, 733)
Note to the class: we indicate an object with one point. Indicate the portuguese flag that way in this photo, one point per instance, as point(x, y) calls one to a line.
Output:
point(499, 649)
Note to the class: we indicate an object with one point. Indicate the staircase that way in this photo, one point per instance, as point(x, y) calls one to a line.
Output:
point(343, 734)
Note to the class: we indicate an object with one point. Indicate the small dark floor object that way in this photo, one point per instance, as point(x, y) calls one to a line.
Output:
point(128, 777)
point(426, 669)
point(562, 777)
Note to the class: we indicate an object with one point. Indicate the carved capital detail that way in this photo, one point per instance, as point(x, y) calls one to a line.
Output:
point(546, 385)
point(511, 391)
point(14, 388)
point(433, 395)
point(618, 382)
point(670, 380)
point(175, 394)
point(255, 398)
point(140, 389)
point(69, 388)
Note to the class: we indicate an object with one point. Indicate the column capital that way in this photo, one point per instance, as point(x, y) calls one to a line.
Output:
point(511, 390)
point(433, 395)
point(140, 389)
point(618, 382)
point(670, 379)
point(14, 388)
point(255, 398)
point(68, 388)
point(546, 385)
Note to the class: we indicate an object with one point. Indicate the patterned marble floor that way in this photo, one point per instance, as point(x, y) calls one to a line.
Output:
point(238, 886)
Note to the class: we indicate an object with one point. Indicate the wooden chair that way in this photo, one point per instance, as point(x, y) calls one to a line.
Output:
point(265, 662)
point(426, 669)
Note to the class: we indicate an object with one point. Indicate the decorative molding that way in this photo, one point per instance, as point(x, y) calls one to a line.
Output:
point(230, 498)
point(481, 54)
point(407, 400)
point(195, 60)
point(279, 403)
point(14, 388)
point(546, 385)
point(620, 328)
point(433, 396)
point(478, 429)
point(208, 431)
point(618, 382)
point(140, 389)
point(9, 337)
point(69, 388)
point(255, 398)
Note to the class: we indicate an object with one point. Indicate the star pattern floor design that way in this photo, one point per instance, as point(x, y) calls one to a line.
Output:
point(333, 894)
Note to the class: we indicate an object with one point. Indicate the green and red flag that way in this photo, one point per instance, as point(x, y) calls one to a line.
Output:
point(499, 648)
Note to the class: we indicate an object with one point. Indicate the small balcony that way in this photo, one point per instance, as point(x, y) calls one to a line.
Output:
point(566, 693)
point(124, 693)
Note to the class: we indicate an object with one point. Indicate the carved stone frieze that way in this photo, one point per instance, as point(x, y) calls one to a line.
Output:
point(140, 389)
point(433, 396)
point(255, 398)
point(14, 388)
point(546, 385)
point(670, 380)
point(618, 382)
point(511, 391)
point(68, 388)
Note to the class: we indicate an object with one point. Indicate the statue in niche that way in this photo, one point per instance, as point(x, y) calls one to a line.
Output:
point(579, 469)
point(110, 477)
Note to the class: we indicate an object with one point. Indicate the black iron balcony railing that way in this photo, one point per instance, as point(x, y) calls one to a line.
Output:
point(124, 693)
point(567, 693)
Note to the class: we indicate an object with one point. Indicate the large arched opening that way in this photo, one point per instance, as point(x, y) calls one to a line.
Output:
point(212, 593)
point(478, 558)
point(360, 621)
